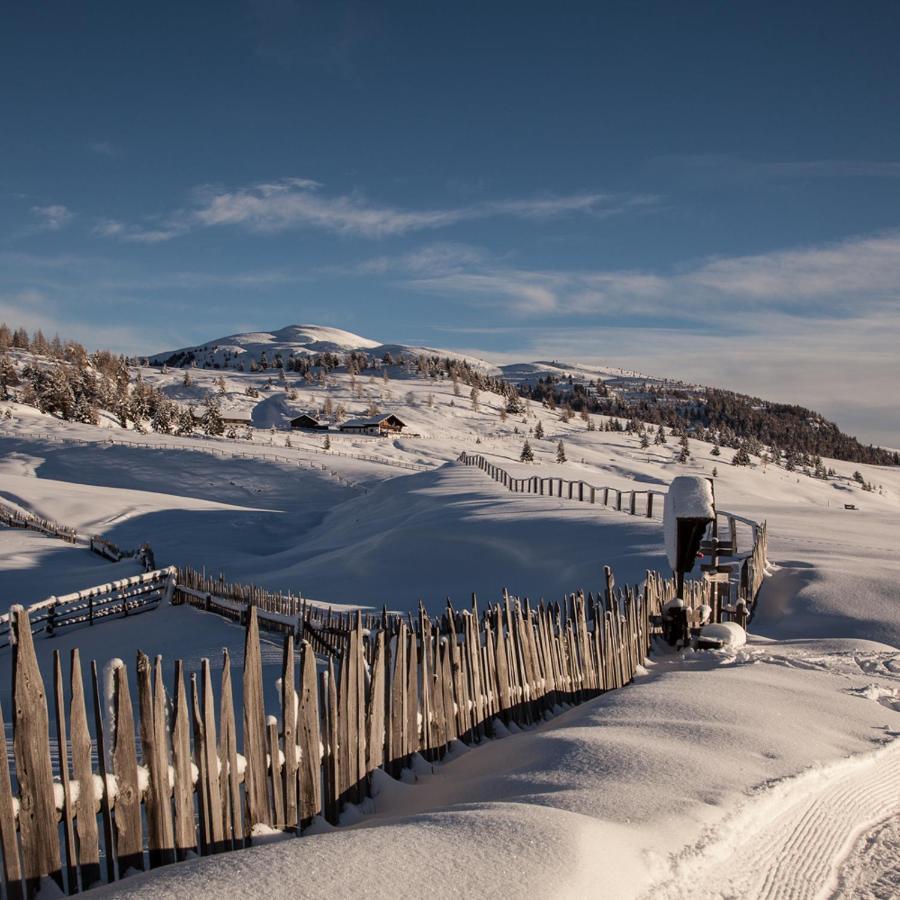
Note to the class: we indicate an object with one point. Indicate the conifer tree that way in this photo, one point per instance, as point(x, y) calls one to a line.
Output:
point(560, 452)
point(527, 452)
point(741, 457)
point(539, 430)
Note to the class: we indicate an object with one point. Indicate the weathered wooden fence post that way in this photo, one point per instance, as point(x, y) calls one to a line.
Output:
point(31, 744)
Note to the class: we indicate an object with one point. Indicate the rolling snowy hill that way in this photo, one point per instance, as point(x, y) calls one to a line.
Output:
point(786, 744)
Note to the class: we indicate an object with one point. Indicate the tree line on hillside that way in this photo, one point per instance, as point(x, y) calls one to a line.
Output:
point(61, 378)
point(712, 414)
point(66, 381)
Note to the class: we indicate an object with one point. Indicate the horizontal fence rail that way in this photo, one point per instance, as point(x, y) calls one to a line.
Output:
point(117, 599)
point(177, 774)
point(634, 502)
point(15, 518)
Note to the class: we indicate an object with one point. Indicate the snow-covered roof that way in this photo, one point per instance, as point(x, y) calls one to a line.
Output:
point(230, 415)
point(371, 420)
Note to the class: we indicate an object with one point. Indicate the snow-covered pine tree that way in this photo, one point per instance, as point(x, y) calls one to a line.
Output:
point(212, 420)
point(741, 457)
point(539, 430)
point(527, 453)
point(645, 441)
point(560, 452)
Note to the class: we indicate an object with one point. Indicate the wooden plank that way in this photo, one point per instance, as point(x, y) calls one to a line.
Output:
point(205, 836)
point(87, 802)
point(105, 800)
point(185, 835)
point(12, 866)
point(209, 749)
point(333, 784)
point(412, 697)
point(309, 731)
point(159, 826)
point(289, 704)
point(399, 718)
point(502, 661)
point(375, 709)
point(275, 768)
point(31, 744)
point(62, 744)
point(160, 725)
point(427, 700)
point(346, 719)
point(127, 811)
point(254, 729)
point(360, 746)
point(229, 781)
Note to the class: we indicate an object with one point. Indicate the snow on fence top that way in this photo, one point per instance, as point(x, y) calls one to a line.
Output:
point(689, 497)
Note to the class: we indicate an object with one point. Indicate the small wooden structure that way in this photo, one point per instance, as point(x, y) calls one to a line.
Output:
point(386, 423)
point(309, 423)
point(228, 416)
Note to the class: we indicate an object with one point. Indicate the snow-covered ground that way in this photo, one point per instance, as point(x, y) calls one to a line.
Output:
point(769, 771)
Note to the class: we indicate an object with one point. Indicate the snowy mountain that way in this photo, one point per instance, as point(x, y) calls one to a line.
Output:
point(266, 349)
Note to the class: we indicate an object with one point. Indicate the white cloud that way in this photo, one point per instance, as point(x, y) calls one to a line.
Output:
point(300, 202)
point(137, 234)
point(861, 272)
point(53, 217)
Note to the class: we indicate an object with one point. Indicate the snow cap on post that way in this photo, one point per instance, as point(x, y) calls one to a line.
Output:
point(689, 497)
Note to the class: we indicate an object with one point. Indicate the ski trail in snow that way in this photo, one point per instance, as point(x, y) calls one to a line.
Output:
point(798, 839)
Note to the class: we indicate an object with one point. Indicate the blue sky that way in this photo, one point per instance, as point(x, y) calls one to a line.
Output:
point(704, 190)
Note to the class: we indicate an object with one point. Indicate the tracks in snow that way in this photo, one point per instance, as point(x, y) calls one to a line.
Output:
point(798, 838)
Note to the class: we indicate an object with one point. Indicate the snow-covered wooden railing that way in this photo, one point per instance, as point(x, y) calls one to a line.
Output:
point(400, 689)
point(623, 501)
point(277, 611)
point(16, 518)
point(125, 597)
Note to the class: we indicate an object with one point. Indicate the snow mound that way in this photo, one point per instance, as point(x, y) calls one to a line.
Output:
point(726, 634)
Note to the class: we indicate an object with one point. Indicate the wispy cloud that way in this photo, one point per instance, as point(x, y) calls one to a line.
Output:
point(868, 265)
point(835, 278)
point(137, 234)
point(302, 203)
point(53, 217)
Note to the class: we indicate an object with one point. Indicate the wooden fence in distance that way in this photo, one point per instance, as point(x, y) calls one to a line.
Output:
point(634, 502)
point(188, 785)
point(116, 599)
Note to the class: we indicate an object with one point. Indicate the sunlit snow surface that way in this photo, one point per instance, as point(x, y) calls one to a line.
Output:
point(765, 771)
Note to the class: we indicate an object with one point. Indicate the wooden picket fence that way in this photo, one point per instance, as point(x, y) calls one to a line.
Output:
point(15, 518)
point(410, 685)
point(748, 570)
point(633, 502)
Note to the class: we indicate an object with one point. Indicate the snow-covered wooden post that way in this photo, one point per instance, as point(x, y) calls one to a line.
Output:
point(688, 510)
